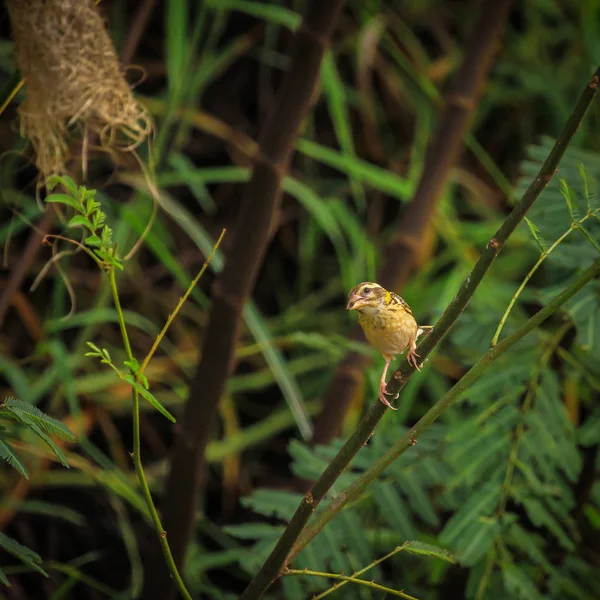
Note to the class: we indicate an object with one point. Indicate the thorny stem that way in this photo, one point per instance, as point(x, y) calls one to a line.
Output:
point(532, 271)
point(448, 400)
point(376, 562)
point(348, 579)
point(136, 455)
point(279, 556)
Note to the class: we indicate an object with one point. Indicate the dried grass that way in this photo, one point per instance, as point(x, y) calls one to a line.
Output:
point(74, 81)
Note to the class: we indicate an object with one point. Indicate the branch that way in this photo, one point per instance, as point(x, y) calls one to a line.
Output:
point(448, 400)
point(347, 579)
point(234, 285)
point(275, 562)
point(442, 154)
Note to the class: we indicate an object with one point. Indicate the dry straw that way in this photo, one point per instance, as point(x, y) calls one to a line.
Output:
point(73, 79)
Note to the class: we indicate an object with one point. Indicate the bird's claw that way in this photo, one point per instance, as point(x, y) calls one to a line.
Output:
point(382, 396)
point(412, 359)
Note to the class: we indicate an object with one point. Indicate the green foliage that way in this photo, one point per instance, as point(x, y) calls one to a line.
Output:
point(43, 426)
point(38, 423)
point(494, 482)
point(90, 217)
point(138, 381)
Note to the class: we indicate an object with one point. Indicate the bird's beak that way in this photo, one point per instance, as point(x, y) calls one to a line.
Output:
point(355, 301)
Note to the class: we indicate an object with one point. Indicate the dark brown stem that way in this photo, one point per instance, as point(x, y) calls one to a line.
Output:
point(274, 564)
point(138, 26)
point(442, 154)
point(27, 257)
point(257, 215)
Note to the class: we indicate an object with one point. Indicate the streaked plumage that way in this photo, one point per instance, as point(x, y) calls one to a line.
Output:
point(388, 324)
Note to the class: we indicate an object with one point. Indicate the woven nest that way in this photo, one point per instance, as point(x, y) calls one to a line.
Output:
point(73, 79)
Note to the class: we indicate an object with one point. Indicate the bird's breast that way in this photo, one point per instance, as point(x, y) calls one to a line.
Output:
point(389, 336)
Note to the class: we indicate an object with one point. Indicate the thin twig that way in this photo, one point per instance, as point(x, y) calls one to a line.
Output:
point(348, 579)
point(180, 304)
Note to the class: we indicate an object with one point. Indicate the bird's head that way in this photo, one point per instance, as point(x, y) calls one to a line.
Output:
point(367, 297)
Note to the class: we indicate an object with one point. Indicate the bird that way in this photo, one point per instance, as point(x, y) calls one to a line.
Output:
point(388, 324)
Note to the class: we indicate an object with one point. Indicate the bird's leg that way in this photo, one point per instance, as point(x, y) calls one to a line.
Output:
point(412, 356)
point(382, 385)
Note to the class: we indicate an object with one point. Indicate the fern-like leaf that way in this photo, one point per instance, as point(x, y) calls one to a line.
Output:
point(23, 553)
point(416, 547)
point(26, 414)
point(8, 454)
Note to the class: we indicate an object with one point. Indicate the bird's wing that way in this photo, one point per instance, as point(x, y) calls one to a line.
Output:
point(395, 299)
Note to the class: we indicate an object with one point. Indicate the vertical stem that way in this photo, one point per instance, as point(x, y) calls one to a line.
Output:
point(136, 453)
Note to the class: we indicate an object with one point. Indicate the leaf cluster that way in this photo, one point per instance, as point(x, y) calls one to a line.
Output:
point(41, 425)
point(89, 216)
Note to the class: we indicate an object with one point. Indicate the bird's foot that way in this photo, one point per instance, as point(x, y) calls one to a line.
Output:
point(412, 359)
point(382, 395)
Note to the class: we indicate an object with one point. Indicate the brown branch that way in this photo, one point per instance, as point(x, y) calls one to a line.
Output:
point(442, 154)
point(233, 287)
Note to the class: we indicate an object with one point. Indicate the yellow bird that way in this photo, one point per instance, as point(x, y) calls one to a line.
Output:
point(388, 324)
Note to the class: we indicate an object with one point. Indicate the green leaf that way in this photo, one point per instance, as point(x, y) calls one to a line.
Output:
point(272, 503)
point(367, 173)
point(27, 414)
point(93, 240)
point(65, 199)
point(80, 221)
point(255, 531)
point(24, 554)
point(46, 438)
point(63, 180)
point(8, 454)
point(530, 544)
point(518, 583)
point(4, 579)
point(142, 391)
point(416, 547)
point(568, 196)
point(476, 539)
point(482, 502)
point(540, 516)
point(589, 432)
point(393, 509)
point(535, 232)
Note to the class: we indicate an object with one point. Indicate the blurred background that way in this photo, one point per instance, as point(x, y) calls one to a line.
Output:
point(507, 481)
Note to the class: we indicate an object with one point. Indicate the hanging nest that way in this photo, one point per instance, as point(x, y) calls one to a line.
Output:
point(73, 80)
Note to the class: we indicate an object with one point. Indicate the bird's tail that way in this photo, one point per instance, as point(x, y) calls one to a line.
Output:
point(424, 330)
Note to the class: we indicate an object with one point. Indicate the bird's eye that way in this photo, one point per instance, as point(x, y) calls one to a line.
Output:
point(366, 290)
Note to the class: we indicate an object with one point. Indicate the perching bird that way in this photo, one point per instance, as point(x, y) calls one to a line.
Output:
point(388, 324)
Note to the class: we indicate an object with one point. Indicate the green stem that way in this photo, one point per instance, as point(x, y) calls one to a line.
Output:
point(371, 584)
point(449, 399)
point(337, 586)
point(279, 556)
point(136, 454)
